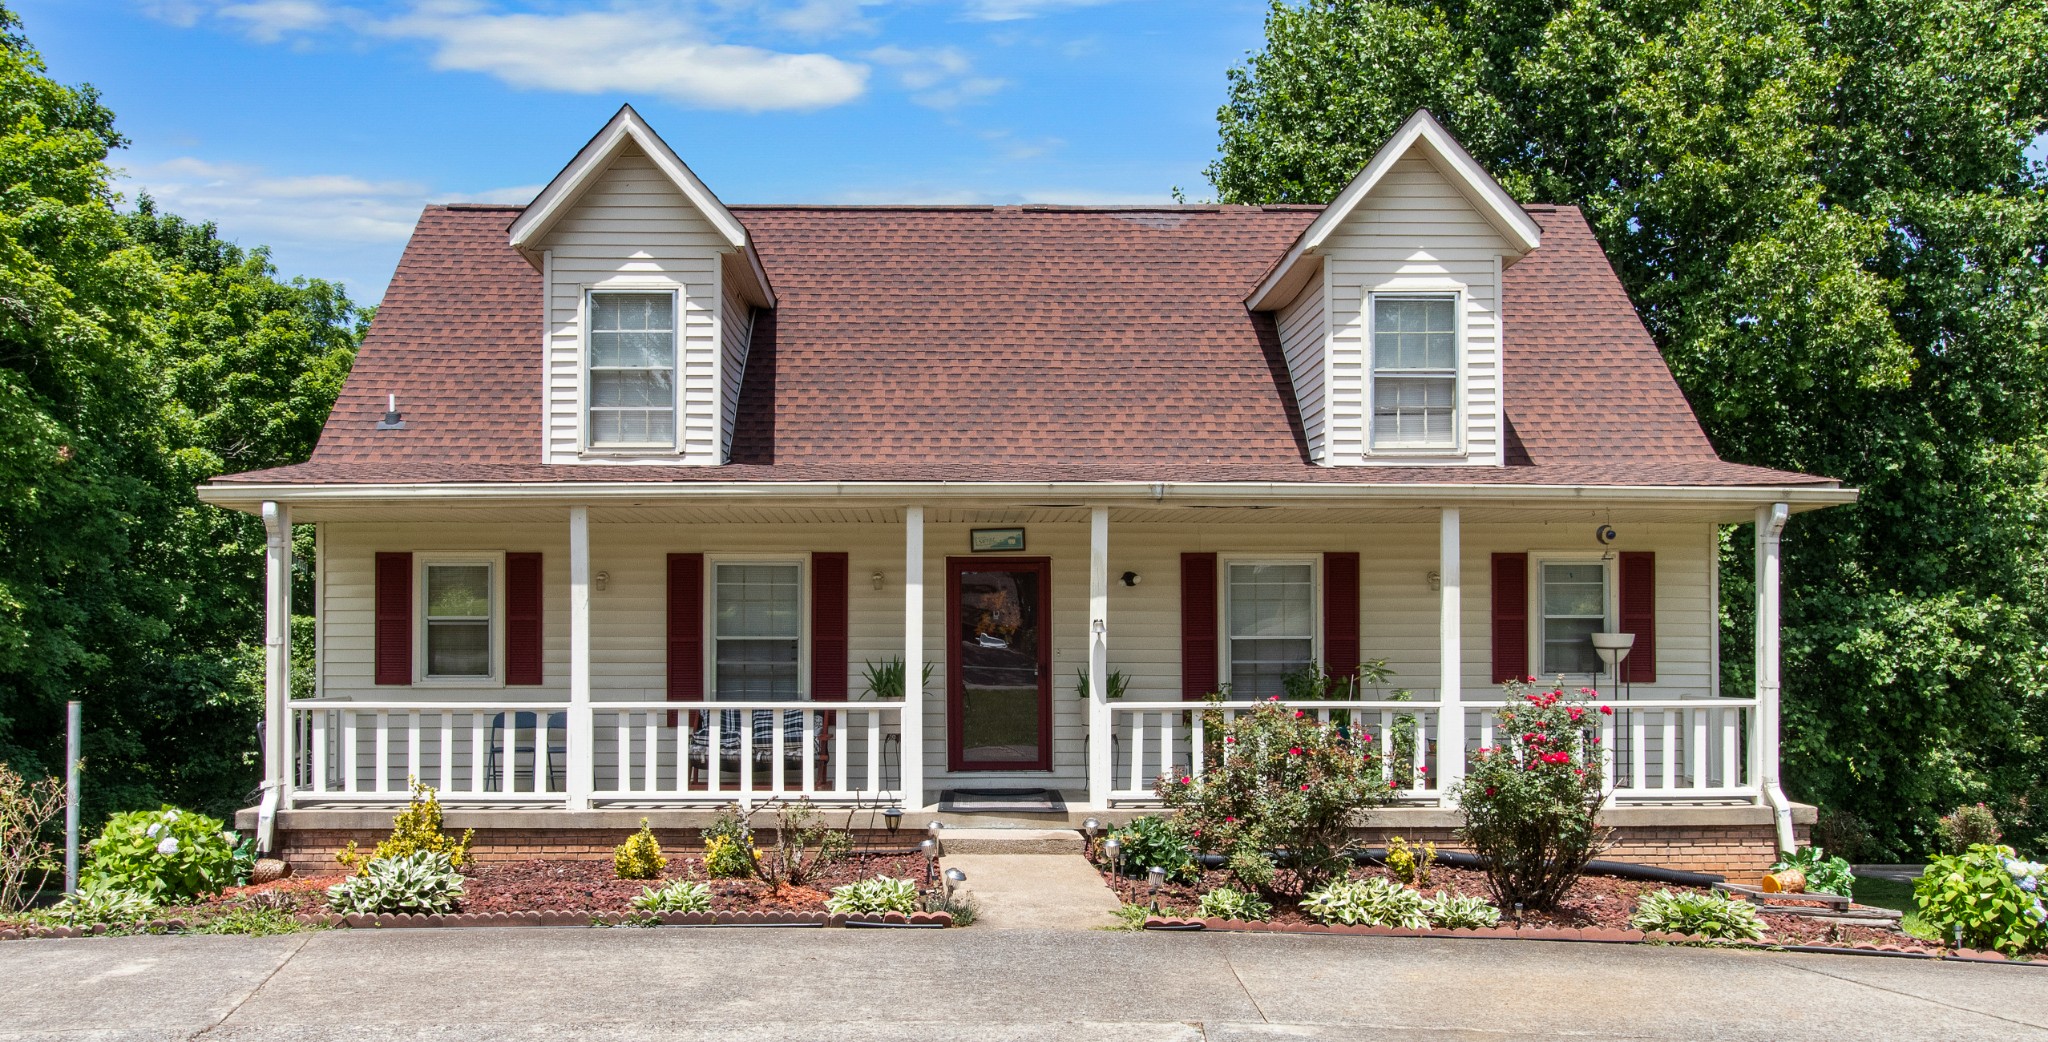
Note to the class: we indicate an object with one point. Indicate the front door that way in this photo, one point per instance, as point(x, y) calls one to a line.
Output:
point(999, 672)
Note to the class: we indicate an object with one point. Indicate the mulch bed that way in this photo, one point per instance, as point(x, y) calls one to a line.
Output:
point(1596, 903)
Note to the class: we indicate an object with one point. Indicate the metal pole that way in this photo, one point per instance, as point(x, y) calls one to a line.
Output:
point(71, 717)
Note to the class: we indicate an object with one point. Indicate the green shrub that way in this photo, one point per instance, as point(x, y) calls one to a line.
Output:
point(1987, 893)
point(255, 922)
point(1154, 841)
point(1132, 917)
point(875, 896)
point(1824, 874)
point(1367, 902)
point(1284, 781)
point(639, 857)
point(1458, 912)
point(168, 854)
point(98, 902)
point(1699, 913)
point(1970, 825)
point(424, 881)
point(1532, 803)
point(725, 858)
point(1227, 903)
point(1410, 864)
point(28, 857)
point(681, 895)
point(416, 828)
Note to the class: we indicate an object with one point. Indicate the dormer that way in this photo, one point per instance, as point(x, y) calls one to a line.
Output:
point(1388, 308)
point(652, 288)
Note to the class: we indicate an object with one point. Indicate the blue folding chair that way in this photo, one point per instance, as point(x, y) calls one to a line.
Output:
point(527, 723)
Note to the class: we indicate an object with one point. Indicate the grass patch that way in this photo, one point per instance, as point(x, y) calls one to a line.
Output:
point(1884, 893)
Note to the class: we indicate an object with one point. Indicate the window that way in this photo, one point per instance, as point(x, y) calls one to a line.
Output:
point(1414, 372)
point(756, 612)
point(1574, 608)
point(458, 620)
point(632, 370)
point(1272, 627)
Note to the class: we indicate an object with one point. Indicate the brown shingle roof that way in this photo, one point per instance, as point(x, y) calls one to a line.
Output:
point(1003, 343)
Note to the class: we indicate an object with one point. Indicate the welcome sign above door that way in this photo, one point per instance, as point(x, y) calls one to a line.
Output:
point(996, 540)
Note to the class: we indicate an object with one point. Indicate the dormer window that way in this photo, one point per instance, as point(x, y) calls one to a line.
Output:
point(1414, 372)
point(632, 370)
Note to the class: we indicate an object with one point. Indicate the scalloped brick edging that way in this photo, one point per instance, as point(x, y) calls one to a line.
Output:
point(1595, 935)
point(562, 917)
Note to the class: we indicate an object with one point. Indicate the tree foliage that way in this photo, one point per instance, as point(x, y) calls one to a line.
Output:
point(139, 356)
point(1824, 213)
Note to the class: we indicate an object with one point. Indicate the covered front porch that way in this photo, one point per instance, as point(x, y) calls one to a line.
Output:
point(1112, 679)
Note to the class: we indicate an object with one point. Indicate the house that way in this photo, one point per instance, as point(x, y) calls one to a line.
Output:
point(632, 493)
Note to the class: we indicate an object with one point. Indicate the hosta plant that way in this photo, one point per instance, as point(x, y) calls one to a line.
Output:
point(1228, 903)
point(1367, 902)
point(681, 895)
point(1459, 912)
point(876, 896)
point(1532, 803)
point(1699, 913)
point(97, 902)
point(167, 854)
point(1988, 897)
point(422, 882)
point(1824, 874)
point(1283, 782)
point(1151, 841)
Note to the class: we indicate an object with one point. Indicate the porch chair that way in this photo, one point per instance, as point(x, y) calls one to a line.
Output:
point(527, 722)
point(793, 752)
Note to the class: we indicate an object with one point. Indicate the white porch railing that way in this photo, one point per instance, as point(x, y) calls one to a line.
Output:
point(1680, 749)
point(1177, 738)
point(641, 752)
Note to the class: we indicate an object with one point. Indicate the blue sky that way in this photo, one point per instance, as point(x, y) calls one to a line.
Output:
point(320, 127)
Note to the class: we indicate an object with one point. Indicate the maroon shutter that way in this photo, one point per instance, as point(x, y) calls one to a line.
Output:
point(1198, 626)
point(685, 627)
point(394, 619)
point(1510, 617)
point(828, 627)
point(1639, 615)
point(1340, 614)
point(522, 619)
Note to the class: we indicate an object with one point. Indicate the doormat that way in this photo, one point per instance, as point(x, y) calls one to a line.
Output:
point(1001, 801)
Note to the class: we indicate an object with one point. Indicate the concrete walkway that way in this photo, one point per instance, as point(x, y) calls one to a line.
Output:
point(1035, 891)
point(1045, 986)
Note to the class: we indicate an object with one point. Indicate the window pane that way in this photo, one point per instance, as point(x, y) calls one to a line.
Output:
point(1259, 667)
point(1414, 333)
point(1272, 600)
point(458, 590)
point(1574, 606)
point(1568, 646)
point(757, 669)
point(757, 600)
point(638, 311)
point(643, 349)
point(1414, 410)
point(633, 387)
point(458, 649)
point(1575, 589)
point(632, 426)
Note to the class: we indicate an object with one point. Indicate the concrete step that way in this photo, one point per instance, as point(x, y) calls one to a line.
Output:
point(1033, 891)
point(954, 842)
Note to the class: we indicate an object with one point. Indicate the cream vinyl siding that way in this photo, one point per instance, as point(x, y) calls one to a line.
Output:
point(736, 329)
point(633, 230)
point(1398, 614)
point(1416, 233)
point(1303, 341)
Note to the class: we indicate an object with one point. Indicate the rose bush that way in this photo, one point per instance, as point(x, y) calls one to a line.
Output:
point(1532, 802)
point(1283, 783)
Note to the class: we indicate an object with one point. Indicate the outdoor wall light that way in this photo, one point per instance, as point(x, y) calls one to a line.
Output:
point(603, 579)
point(1132, 578)
point(1434, 578)
point(875, 580)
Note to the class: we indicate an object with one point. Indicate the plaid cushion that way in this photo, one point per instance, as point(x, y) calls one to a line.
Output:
point(764, 732)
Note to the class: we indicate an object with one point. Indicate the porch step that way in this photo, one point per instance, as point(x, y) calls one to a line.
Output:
point(975, 841)
point(1035, 892)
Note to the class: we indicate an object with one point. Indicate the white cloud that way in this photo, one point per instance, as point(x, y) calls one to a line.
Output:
point(255, 205)
point(639, 50)
point(1017, 10)
point(269, 21)
point(815, 18)
point(937, 77)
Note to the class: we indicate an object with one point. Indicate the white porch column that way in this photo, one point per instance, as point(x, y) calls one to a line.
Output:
point(911, 749)
point(277, 659)
point(581, 763)
point(1099, 765)
point(1450, 739)
point(1770, 528)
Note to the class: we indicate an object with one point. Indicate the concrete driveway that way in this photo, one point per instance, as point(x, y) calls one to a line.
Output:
point(518, 984)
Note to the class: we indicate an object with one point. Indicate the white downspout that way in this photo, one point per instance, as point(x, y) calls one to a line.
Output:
point(277, 669)
point(1770, 529)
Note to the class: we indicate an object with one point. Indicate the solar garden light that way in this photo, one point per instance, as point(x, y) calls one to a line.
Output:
point(1114, 850)
point(928, 849)
point(1154, 877)
point(893, 819)
point(1518, 915)
point(954, 877)
point(932, 829)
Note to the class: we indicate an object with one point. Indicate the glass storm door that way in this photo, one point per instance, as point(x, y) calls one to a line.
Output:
point(999, 672)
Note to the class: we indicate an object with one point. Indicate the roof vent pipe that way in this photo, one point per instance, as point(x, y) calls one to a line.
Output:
point(391, 421)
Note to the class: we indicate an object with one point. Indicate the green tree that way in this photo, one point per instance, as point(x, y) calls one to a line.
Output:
point(139, 356)
point(1823, 211)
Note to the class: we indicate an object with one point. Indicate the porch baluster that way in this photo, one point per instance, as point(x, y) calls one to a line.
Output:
point(383, 735)
point(444, 749)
